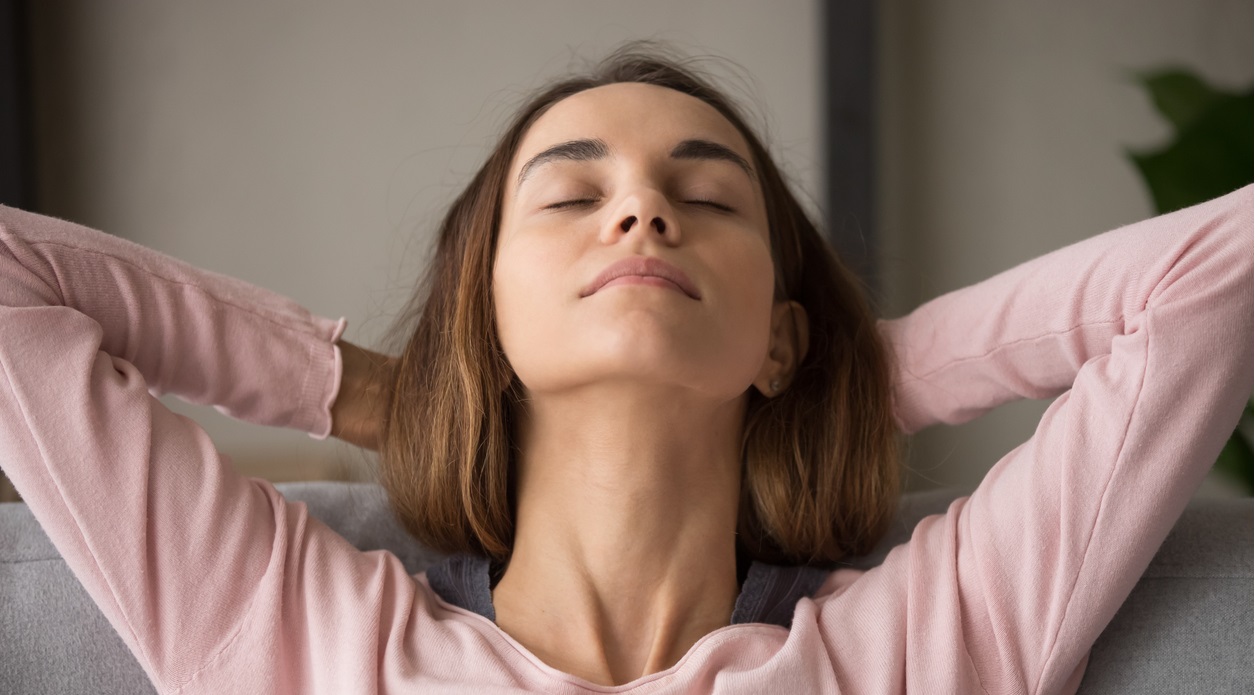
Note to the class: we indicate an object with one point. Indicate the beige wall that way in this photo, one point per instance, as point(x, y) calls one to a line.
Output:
point(308, 147)
point(1004, 125)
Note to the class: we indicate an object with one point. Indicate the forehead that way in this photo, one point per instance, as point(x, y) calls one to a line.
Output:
point(630, 116)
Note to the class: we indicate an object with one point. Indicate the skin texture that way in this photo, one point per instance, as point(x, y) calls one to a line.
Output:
point(629, 472)
point(363, 399)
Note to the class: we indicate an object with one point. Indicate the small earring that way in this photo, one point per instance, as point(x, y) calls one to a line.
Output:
point(775, 385)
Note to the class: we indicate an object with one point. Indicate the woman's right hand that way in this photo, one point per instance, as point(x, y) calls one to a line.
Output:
point(358, 412)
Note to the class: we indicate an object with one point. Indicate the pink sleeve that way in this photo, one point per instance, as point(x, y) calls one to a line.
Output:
point(1143, 335)
point(177, 549)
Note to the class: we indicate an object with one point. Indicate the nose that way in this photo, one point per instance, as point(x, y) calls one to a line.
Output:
point(643, 213)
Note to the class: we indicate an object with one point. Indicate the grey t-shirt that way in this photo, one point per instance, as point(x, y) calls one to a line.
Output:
point(768, 594)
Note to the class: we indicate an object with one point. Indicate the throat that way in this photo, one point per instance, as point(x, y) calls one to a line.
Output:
point(624, 547)
point(608, 639)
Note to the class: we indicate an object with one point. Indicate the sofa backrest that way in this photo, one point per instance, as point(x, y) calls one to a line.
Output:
point(1187, 626)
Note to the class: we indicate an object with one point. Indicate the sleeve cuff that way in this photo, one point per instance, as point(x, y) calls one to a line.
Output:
point(322, 383)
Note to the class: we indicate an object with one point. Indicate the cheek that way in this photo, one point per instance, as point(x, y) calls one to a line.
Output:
point(746, 304)
point(527, 292)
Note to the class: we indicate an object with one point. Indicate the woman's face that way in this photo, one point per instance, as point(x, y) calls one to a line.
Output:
point(622, 171)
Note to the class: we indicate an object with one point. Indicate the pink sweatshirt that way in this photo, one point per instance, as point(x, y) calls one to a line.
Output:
point(1142, 335)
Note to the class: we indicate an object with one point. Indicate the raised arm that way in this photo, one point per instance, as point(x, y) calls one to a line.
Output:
point(1144, 335)
point(197, 567)
point(1025, 332)
point(208, 338)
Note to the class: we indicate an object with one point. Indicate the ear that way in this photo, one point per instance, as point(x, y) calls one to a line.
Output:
point(790, 338)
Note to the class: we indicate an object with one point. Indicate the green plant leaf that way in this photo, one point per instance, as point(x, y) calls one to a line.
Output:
point(1235, 462)
point(1209, 158)
point(1180, 96)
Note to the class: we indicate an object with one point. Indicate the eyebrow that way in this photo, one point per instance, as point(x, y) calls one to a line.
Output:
point(574, 150)
point(595, 148)
point(705, 149)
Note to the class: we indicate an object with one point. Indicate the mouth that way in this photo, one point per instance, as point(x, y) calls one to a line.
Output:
point(643, 270)
point(644, 281)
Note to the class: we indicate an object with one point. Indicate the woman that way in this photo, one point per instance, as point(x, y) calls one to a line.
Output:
point(645, 404)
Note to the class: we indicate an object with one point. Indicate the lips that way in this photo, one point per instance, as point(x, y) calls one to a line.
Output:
point(645, 266)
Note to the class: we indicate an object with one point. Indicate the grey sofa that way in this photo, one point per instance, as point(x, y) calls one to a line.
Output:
point(1186, 628)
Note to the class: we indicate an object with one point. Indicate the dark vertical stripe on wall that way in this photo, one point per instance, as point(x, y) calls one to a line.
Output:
point(849, 80)
point(16, 188)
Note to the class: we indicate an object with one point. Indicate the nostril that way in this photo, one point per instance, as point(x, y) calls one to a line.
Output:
point(626, 224)
point(660, 225)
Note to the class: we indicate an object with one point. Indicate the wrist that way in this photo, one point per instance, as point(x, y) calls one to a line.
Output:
point(358, 411)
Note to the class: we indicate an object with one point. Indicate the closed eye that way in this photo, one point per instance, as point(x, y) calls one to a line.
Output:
point(579, 202)
point(711, 204)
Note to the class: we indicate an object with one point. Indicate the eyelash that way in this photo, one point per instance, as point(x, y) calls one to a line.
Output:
point(570, 204)
point(580, 202)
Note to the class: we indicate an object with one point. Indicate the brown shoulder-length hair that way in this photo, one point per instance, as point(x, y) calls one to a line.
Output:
point(820, 477)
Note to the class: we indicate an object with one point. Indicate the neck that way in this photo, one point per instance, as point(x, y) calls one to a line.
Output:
point(625, 536)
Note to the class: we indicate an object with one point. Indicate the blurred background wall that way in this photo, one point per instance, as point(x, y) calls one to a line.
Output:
point(310, 147)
